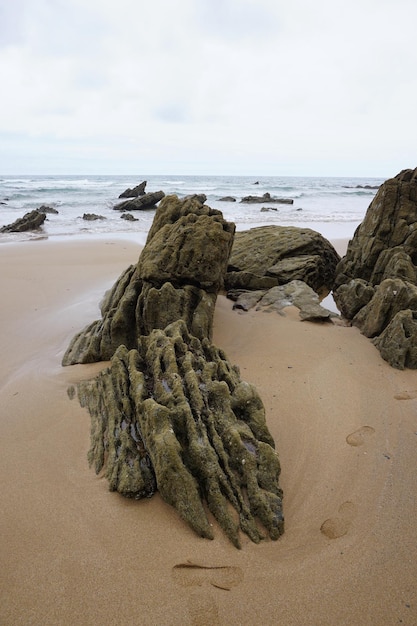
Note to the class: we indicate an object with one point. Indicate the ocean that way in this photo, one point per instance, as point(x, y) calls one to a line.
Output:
point(332, 206)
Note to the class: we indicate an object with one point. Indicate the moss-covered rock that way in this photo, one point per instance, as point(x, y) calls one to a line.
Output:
point(389, 298)
point(389, 227)
point(171, 413)
point(174, 415)
point(398, 342)
point(281, 254)
point(178, 274)
point(377, 278)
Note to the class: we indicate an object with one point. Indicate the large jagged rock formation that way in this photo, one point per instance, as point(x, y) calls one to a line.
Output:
point(376, 282)
point(171, 413)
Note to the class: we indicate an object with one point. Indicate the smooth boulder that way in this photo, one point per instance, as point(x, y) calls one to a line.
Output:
point(275, 255)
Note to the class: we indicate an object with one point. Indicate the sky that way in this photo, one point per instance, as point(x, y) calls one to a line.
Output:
point(245, 87)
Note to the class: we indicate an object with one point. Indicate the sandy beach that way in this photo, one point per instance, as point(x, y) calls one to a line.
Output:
point(345, 427)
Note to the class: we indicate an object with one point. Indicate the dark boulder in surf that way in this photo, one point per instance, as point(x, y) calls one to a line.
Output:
point(48, 209)
point(30, 221)
point(141, 203)
point(92, 217)
point(137, 191)
point(266, 198)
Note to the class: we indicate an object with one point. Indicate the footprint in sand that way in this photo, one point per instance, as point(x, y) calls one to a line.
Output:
point(221, 576)
point(202, 606)
point(406, 395)
point(337, 526)
point(359, 437)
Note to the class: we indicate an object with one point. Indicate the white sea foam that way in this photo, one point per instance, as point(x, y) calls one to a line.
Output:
point(333, 206)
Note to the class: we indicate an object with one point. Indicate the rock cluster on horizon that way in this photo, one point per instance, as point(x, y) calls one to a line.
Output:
point(92, 217)
point(266, 198)
point(376, 281)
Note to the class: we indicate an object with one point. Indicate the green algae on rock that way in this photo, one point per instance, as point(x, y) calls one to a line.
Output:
point(175, 416)
point(171, 413)
point(376, 280)
point(268, 256)
point(178, 274)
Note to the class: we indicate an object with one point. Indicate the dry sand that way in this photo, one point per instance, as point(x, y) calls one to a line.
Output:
point(345, 426)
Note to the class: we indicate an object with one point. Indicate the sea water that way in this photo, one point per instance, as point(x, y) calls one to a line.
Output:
point(332, 206)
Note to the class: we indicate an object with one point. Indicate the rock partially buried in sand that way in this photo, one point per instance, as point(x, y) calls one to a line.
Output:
point(171, 413)
point(295, 293)
point(298, 294)
point(376, 280)
point(175, 416)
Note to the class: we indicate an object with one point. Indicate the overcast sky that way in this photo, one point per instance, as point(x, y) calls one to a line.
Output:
point(267, 87)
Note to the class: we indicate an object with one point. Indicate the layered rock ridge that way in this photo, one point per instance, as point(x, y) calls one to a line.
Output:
point(376, 281)
point(171, 413)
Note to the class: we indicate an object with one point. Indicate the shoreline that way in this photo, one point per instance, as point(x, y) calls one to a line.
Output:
point(332, 231)
point(344, 423)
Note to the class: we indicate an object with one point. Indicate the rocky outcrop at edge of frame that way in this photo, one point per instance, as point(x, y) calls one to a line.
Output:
point(376, 281)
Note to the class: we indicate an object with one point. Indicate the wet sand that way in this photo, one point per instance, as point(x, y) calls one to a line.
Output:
point(345, 426)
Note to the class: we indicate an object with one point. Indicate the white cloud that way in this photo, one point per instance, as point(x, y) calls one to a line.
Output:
point(220, 86)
